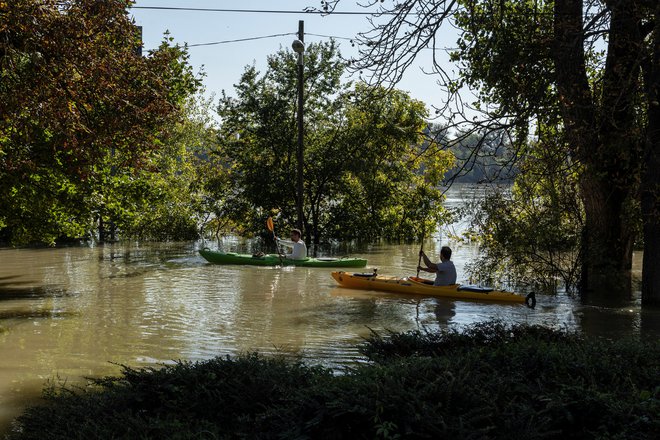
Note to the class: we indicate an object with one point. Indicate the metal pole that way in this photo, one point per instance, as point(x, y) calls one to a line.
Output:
point(299, 151)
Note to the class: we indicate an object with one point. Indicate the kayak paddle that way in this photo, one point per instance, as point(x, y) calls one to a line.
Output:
point(271, 228)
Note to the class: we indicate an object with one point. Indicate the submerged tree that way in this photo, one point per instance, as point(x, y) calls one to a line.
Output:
point(531, 232)
point(361, 153)
point(589, 69)
point(82, 115)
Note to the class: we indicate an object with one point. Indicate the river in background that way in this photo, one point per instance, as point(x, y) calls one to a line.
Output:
point(75, 312)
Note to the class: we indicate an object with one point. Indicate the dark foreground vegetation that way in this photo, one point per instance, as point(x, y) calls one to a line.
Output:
point(489, 381)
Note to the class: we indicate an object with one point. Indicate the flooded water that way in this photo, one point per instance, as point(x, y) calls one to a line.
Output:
point(75, 312)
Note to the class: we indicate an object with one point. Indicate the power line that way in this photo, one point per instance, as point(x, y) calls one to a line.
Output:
point(242, 39)
point(329, 36)
point(239, 40)
point(255, 11)
point(334, 37)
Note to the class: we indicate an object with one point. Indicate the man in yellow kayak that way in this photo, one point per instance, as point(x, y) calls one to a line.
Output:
point(299, 249)
point(445, 272)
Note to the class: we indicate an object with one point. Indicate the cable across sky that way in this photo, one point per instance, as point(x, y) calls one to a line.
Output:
point(256, 11)
point(241, 39)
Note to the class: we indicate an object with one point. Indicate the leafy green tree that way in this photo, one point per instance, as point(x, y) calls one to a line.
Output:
point(361, 152)
point(165, 199)
point(532, 233)
point(588, 69)
point(381, 191)
point(82, 114)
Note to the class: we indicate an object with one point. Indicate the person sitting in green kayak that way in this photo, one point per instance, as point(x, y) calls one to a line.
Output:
point(445, 271)
point(299, 249)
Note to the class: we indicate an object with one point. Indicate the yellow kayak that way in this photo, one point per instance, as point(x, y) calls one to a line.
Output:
point(421, 286)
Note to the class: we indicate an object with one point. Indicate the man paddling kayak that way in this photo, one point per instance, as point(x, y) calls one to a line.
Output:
point(299, 249)
point(445, 271)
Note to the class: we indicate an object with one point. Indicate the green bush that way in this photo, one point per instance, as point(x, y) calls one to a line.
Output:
point(490, 381)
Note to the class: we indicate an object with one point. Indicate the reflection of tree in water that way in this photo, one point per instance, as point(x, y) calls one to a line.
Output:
point(620, 322)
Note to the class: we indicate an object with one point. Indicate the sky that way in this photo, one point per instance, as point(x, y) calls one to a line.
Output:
point(225, 62)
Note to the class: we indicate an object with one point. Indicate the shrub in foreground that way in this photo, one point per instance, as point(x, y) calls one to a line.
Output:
point(488, 381)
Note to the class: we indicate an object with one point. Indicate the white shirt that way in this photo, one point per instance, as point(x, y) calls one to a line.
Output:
point(299, 249)
point(446, 274)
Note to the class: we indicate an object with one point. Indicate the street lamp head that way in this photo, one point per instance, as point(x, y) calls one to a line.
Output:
point(298, 46)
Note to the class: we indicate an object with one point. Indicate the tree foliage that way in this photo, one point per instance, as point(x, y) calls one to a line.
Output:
point(82, 115)
point(362, 157)
point(531, 233)
point(167, 199)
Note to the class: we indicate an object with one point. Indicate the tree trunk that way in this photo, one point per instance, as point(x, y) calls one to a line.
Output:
point(607, 243)
point(650, 184)
point(101, 230)
point(602, 137)
point(651, 259)
point(314, 227)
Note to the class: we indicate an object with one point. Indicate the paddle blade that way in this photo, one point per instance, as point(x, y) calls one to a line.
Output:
point(269, 224)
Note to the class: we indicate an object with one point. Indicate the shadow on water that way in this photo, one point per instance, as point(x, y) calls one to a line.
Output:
point(15, 290)
point(35, 314)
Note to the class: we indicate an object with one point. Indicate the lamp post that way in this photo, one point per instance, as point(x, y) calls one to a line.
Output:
point(299, 47)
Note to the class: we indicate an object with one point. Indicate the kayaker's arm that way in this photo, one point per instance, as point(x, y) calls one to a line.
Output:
point(285, 242)
point(298, 249)
point(426, 269)
point(430, 267)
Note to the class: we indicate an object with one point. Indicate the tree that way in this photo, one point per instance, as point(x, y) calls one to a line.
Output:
point(80, 112)
point(650, 181)
point(381, 191)
point(361, 153)
point(165, 199)
point(530, 232)
point(589, 69)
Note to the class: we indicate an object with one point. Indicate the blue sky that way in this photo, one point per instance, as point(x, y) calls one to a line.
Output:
point(224, 63)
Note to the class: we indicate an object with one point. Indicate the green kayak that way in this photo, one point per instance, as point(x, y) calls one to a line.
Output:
point(275, 260)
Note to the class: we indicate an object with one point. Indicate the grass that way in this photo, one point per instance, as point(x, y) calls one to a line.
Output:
point(489, 381)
